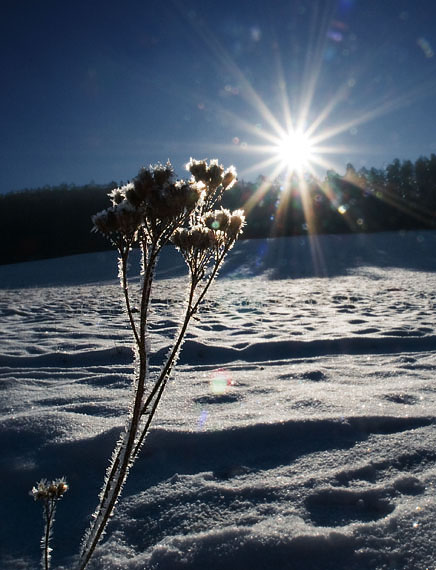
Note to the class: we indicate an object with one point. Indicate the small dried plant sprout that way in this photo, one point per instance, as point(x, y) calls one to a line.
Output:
point(151, 211)
point(48, 494)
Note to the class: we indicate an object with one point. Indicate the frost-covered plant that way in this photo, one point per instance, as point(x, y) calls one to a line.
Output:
point(151, 211)
point(48, 494)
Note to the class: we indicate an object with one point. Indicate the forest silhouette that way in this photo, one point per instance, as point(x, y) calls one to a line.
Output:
point(55, 221)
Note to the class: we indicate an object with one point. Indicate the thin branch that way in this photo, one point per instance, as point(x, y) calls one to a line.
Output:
point(118, 472)
point(49, 509)
point(160, 384)
point(161, 381)
point(124, 257)
point(146, 290)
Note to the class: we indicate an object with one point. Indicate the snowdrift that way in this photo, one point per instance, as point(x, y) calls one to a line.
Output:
point(298, 431)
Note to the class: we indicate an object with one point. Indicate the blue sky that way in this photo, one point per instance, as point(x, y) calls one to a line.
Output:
point(95, 89)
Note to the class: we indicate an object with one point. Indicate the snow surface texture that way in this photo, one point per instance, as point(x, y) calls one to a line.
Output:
point(297, 433)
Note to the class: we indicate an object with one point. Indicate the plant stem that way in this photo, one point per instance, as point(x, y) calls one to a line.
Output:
point(119, 470)
point(49, 509)
point(160, 383)
point(124, 256)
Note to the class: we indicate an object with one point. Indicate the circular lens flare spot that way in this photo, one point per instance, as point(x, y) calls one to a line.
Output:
point(295, 151)
point(220, 381)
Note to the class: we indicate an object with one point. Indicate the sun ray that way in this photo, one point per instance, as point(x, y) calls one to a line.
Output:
point(376, 111)
point(289, 141)
point(313, 63)
point(264, 164)
point(260, 192)
point(328, 109)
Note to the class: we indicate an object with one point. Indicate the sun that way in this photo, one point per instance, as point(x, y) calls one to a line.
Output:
point(295, 151)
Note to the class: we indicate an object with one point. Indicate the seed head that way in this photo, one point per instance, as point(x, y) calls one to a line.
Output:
point(202, 238)
point(198, 238)
point(218, 220)
point(211, 175)
point(45, 491)
point(173, 200)
point(143, 183)
point(236, 223)
point(117, 196)
point(105, 221)
point(199, 170)
point(128, 218)
point(180, 239)
point(133, 198)
point(123, 218)
point(216, 172)
point(149, 183)
point(163, 174)
point(229, 178)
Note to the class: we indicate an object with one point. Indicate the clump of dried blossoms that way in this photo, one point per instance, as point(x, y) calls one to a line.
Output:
point(48, 494)
point(155, 209)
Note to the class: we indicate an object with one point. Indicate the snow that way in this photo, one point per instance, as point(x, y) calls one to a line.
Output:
point(298, 431)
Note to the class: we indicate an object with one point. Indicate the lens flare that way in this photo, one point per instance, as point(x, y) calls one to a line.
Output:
point(220, 381)
point(202, 420)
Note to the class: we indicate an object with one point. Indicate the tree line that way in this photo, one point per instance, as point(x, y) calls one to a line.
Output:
point(56, 221)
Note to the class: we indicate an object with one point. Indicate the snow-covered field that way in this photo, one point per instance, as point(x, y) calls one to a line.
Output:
point(298, 431)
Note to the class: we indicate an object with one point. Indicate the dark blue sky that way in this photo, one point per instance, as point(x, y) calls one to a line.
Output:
point(94, 89)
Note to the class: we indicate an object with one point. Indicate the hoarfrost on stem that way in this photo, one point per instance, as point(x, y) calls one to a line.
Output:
point(48, 494)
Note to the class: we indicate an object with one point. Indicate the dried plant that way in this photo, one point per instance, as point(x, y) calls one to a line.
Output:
point(48, 494)
point(152, 211)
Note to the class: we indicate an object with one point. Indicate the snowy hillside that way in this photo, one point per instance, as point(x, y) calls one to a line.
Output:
point(298, 431)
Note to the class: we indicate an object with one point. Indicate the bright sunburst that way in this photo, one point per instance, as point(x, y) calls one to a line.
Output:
point(301, 127)
point(295, 151)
